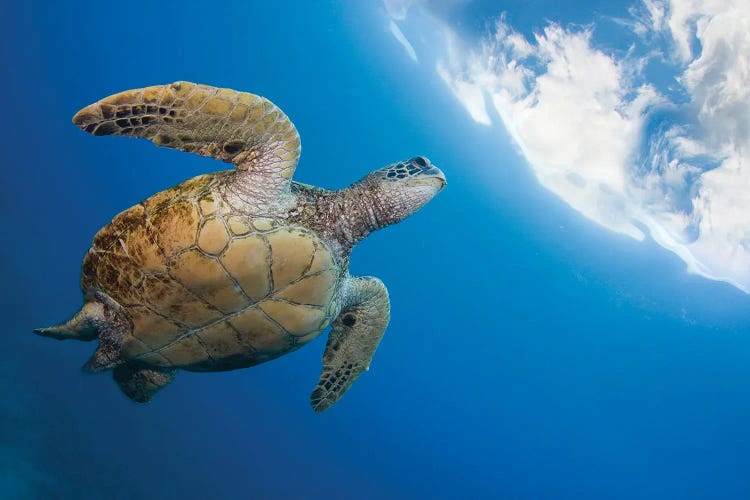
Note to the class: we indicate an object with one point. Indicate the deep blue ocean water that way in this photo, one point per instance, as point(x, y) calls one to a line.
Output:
point(531, 354)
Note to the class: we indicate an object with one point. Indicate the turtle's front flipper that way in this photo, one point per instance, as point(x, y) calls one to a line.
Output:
point(225, 124)
point(352, 342)
point(141, 383)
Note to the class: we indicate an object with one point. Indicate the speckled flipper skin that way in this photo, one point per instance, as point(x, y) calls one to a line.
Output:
point(238, 127)
point(353, 340)
point(238, 267)
point(141, 383)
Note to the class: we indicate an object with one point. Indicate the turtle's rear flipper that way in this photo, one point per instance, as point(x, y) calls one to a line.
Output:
point(83, 326)
point(100, 318)
point(141, 383)
point(114, 326)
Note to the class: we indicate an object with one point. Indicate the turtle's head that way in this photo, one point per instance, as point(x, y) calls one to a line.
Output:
point(384, 197)
point(400, 189)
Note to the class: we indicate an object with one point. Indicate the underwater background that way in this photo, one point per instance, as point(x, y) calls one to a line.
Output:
point(531, 352)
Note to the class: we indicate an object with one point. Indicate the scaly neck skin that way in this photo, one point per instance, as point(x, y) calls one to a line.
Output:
point(346, 216)
point(360, 211)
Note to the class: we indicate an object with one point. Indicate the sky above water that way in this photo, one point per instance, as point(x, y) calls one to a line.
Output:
point(636, 115)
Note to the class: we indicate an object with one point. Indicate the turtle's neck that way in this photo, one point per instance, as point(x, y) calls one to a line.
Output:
point(345, 216)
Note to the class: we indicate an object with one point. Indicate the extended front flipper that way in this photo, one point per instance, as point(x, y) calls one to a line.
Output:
point(352, 342)
point(238, 127)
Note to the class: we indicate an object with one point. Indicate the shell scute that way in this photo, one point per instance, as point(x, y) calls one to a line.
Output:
point(316, 289)
point(205, 278)
point(161, 199)
point(246, 259)
point(208, 206)
point(176, 227)
point(170, 299)
point(262, 333)
point(140, 246)
point(291, 254)
point(152, 330)
point(296, 319)
point(238, 225)
point(107, 236)
point(185, 350)
point(221, 340)
point(123, 276)
point(213, 236)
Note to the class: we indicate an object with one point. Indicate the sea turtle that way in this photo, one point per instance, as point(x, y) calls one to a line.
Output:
point(231, 269)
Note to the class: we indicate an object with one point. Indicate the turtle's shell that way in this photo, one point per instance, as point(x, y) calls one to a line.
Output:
point(207, 288)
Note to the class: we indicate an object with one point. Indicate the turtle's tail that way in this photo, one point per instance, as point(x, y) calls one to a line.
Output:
point(83, 326)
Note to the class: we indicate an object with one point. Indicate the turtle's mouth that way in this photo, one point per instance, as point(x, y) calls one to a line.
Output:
point(432, 177)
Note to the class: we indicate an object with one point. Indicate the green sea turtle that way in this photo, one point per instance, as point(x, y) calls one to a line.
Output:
point(234, 268)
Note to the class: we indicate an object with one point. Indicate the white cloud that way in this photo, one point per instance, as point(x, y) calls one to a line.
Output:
point(397, 10)
point(399, 35)
point(570, 120)
point(623, 154)
point(469, 94)
point(646, 18)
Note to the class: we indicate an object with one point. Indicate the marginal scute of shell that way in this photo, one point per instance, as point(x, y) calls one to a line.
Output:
point(160, 199)
point(156, 359)
point(185, 351)
point(315, 290)
point(120, 276)
point(108, 236)
point(141, 247)
point(263, 334)
point(221, 340)
point(176, 227)
point(295, 319)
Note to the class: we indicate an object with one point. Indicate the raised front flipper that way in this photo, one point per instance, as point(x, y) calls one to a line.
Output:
point(351, 344)
point(238, 127)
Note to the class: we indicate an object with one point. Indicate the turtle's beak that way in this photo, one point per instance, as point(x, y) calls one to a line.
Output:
point(427, 173)
point(432, 176)
point(439, 176)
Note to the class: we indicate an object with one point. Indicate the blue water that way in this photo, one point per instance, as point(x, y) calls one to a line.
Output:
point(531, 354)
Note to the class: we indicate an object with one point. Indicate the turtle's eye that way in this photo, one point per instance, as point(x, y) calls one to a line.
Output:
point(421, 161)
point(349, 320)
